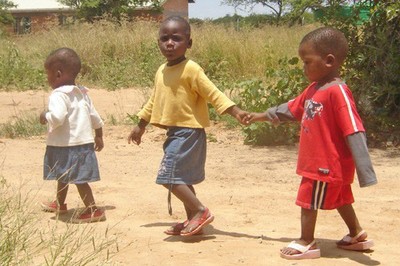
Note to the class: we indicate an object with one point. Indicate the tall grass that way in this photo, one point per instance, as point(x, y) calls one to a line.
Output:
point(127, 55)
point(228, 54)
point(25, 124)
point(26, 240)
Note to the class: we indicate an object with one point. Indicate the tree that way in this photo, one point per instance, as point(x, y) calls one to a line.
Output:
point(5, 16)
point(91, 10)
point(291, 10)
point(277, 7)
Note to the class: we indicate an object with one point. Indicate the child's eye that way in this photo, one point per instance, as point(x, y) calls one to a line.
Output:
point(164, 38)
point(177, 38)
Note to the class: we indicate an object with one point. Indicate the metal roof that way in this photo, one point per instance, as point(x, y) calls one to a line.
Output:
point(46, 5)
point(24, 5)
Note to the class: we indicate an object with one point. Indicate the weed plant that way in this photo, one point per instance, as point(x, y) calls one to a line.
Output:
point(25, 124)
point(26, 240)
point(286, 81)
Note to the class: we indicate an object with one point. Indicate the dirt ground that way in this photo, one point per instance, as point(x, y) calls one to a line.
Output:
point(250, 190)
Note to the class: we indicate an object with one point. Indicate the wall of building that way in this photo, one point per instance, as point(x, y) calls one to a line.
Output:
point(176, 8)
point(26, 22)
point(33, 21)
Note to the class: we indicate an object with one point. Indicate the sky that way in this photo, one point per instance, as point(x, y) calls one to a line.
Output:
point(213, 9)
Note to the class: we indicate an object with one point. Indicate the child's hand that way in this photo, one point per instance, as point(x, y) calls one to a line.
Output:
point(136, 135)
point(241, 117)
point(98, 143)
point(269, 116)
point(239, 114)
point(42, 118)
point(255, 117)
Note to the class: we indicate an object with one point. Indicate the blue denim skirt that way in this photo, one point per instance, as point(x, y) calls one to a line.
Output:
point(184, 156)
point(71, 165)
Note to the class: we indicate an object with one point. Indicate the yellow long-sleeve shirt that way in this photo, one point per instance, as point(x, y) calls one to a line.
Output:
point(180, 97)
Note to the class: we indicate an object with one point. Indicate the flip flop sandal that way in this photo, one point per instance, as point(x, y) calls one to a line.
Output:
point(305, 251)
point(353, 243)
point(199, 223)
point(176, 229)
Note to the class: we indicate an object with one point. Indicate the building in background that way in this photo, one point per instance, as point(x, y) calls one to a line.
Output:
point(35, 15)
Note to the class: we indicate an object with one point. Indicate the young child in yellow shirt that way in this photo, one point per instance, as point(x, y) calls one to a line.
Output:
point(179, 104)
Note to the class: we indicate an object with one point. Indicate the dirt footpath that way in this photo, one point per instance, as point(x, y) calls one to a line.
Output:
point(250, 190)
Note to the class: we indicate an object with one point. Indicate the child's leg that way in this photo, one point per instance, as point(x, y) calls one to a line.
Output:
point(308, 221)
point(177, 228)
point(194, 208)
point(349, 217)
point(189, 213)
point(62, 190)
point(188, 210)
point(357, 237)
point(87, 197)
point(187, 195)
point(58, 205)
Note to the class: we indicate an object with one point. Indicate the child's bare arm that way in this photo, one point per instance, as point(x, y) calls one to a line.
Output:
point(136, 134)
point(98, 139)
point(257, 117)
point(276, 114)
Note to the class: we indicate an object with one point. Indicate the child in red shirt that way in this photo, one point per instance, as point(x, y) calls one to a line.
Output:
point(332, 143)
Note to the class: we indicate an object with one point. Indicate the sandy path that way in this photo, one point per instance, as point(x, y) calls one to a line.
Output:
point(251, 192)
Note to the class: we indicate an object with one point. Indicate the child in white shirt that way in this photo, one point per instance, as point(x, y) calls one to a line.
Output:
point(70, 152)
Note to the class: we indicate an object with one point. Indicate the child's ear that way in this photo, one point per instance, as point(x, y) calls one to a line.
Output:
point(59, 73)
point(190, 42)
point(330, 60)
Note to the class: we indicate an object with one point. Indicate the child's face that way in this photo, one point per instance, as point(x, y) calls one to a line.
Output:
point(52, 77)
point(315, 66)
point(173, 42)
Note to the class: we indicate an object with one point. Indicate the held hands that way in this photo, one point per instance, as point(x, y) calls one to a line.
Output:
point(269, 116)
point(239, 114)
point(255, 117)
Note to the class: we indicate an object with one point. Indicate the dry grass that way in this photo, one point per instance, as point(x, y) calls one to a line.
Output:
point(127, 55)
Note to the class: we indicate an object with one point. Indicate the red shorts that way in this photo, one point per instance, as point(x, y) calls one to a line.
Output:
point(314, 194)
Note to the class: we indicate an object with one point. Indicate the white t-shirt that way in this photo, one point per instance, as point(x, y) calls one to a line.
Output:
point(71, 117)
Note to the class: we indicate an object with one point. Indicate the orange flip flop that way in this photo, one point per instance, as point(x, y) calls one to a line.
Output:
point(176, 229)
point(205, 219)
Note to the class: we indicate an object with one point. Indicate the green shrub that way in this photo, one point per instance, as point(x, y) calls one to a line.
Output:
point(24, 125)
point(373, 65)
point(16, 72)
point(286, 81)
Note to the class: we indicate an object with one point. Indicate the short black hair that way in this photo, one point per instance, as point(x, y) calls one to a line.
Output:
point(327, 40)
point(65, 59)
point(180, 20)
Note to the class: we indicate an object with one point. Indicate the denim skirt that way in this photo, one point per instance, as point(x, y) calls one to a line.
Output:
point(71, 165)
point(184, 156)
